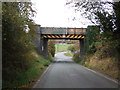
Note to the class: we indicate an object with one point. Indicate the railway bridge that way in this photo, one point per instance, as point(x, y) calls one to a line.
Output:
point(46, 33)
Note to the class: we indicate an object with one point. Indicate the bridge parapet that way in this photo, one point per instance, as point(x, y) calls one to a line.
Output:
point(76, 31)
point(53, 30)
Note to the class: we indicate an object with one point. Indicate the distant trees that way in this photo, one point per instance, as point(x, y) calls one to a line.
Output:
point(17, 34)
point(72, 48)
point(104, 36)
point(104, 14)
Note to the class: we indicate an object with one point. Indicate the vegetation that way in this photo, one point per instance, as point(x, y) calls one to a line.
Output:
point(76, 57)
point(28, 78)
point(102, 43)
point(62, 47)
point(73, 48)
point(106, 63)
point(98, 56)
point(50, 57)
point(106, 17)
point(21, 64)
point(92, 40)
point(68, 54)
point(51, 48)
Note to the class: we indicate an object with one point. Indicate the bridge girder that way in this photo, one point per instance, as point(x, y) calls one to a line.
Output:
point(63, 36)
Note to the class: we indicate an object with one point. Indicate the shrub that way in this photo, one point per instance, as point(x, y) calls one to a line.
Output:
point(51, 48)
point(50, 56)
point(76, 57)
point(72, 48)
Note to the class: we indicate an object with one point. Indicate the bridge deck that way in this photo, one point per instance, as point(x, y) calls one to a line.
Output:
point(53, 30)
point(61, 33)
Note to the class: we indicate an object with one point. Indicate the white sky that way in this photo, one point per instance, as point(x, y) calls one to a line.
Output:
point(54, 13)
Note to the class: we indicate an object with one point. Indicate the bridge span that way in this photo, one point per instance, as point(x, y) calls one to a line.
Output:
point(62, 33)
point(46, 33)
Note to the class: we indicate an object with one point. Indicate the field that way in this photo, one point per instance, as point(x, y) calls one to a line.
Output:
point(61, 47)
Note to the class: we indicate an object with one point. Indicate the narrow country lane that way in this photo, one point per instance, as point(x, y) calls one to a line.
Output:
point(64, 73)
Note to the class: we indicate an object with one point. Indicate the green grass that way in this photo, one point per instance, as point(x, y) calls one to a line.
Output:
point(27, 78)
point(68, 54)
point(62, 47)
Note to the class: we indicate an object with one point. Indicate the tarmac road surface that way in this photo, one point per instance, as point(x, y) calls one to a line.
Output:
point(64, 73)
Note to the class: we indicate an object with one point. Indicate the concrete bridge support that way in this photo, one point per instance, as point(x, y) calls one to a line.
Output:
point(41, 43)
point(81, 41)
point(37, 42)
point(45, 48)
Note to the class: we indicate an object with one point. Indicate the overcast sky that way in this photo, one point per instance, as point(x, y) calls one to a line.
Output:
point(54, 13)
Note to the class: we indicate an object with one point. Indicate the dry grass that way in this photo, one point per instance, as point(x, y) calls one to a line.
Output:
point(106, 64)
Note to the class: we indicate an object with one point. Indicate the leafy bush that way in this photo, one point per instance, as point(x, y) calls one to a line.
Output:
point(68, 54)
point(93, 36)
point(51, 48)
point(25, 79)
point(72, 48)
point(76, 57)
point(16, 40)
point(18, 50)
point(50, 57)
point(92, 48)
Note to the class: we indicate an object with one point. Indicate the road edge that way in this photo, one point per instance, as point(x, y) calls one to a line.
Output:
point(44, 72)
point(101, 74)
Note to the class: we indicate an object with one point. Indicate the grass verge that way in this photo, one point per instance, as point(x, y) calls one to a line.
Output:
point(27, 78)
point(107, 66)
point(104, 61)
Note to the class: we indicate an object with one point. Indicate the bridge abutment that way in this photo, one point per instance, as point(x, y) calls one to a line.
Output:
point(81, 41)
point(41, 43)
point(45, 48)
point(37, 42)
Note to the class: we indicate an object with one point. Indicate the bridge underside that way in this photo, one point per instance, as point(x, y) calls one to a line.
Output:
point(63, 36)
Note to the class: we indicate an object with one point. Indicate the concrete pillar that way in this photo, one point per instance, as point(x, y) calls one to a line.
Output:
point(45, 48)
point(41, 45)
point(37, 41)
point(81, 41)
